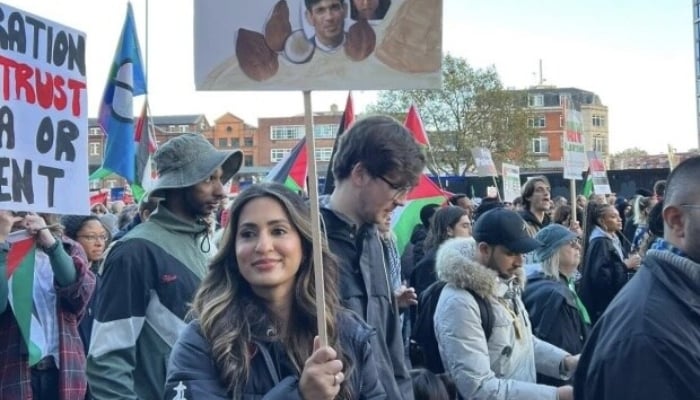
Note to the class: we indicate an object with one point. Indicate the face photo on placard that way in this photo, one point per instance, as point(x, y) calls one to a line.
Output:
point(317, 44)
point(371, 10)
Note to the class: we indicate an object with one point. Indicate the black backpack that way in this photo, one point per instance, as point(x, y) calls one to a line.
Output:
point(424, 349)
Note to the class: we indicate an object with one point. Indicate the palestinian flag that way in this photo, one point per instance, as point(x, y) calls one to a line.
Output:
point(407, 217)
point(588, 185)
point(291, 171)
point(345, 121)
point(20, 274)
point(426, 192)
point(146, 145)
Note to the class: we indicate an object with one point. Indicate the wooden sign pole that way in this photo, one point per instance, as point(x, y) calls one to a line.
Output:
point(315, 219)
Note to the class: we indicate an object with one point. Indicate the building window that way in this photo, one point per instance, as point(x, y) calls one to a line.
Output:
point(248, 161)
point(183, 128)
point(95, 149)
point(537, 122)
point(325, 131)
point(540, 145)
point(172, 128)
point(561, 121)
point(286, 132)
point(95, 131)
point(598, 120)
point(235, 142)
point(599, 144)
point(278, 154)
point(535, 100)
point(223, 142)
point(324, 153)
point(248, 142)
point(229, 129)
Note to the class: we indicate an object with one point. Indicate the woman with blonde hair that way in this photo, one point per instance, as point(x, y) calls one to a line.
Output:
point(556, 313)
point(255, 333)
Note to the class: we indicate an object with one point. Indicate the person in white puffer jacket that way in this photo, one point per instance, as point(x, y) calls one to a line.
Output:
point(505, 365)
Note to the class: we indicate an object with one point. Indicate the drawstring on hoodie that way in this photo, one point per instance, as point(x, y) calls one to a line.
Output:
point(205, 239)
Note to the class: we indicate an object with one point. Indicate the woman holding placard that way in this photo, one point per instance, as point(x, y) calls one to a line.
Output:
point(255, 330)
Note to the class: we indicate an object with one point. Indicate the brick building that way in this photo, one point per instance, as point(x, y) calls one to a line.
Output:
point(546, 104)
point(278, 135)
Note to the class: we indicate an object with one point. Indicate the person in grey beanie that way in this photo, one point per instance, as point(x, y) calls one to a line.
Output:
point(556, 313)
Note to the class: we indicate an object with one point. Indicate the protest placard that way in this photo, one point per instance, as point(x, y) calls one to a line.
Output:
point(43, 115)
point(599, 175)
point(574, 147)
point(330, 45)
point(483, 162)
point(511, 182)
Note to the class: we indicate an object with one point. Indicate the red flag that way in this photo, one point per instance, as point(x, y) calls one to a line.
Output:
point(98, 198)
point(405, 218)
point(346, 121)
point(415, 125)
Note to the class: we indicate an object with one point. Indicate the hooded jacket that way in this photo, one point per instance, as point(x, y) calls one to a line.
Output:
point(533, 224)
point(192, 373)
point(505, 367)
point(150, 277)
point(365, 289)
point(603, 274)
point(554, 316)
point(647, 344)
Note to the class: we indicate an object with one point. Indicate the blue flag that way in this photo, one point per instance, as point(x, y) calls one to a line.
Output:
point(126, 80)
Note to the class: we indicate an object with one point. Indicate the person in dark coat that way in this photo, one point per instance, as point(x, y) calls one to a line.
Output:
point(646, 346)
point(451, 221)
point(557, 314)
point(606, 268)
point(255, 332)
point(376, 165)
point(414, 252)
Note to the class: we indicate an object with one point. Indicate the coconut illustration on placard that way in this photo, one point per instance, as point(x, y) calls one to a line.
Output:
point(298, 49)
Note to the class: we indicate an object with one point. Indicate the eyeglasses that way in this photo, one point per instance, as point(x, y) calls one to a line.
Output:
point(94, 238)
point(575, 242)
point(401, 191)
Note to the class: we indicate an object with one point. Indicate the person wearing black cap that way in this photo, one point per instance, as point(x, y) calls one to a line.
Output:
point(151, 274)
point(503, 364)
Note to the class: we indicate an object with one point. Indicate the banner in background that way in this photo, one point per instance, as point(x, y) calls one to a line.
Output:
point(598, 174)
point(574, 147)
point(483, 162)
point(511, 182)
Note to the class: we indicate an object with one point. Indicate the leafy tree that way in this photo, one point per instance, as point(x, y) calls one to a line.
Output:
point(471, 110)
point(631, 152)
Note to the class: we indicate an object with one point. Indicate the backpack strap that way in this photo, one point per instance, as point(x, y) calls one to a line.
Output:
point(486, 313)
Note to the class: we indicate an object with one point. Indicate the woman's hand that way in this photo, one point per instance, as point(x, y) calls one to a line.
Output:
point(565, 393)
point(633, 261)
point(36, 226)
point(322, 374)
point(7, 220)
point(406, 296)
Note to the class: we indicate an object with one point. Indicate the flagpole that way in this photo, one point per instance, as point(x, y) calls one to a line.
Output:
point(146, 47)
point(315, 220)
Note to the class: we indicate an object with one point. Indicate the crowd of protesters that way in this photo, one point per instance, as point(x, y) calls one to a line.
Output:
point(183, 296)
